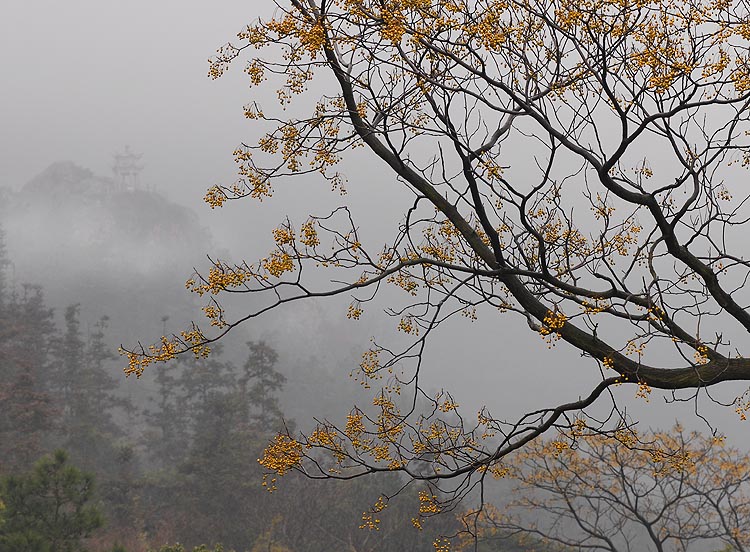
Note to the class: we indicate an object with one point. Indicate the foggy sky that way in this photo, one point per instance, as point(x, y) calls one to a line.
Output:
point(81, 79)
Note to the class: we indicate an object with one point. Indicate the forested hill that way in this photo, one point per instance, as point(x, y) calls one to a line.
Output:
point(85, 238)
point(138, 470)
point(98, 212)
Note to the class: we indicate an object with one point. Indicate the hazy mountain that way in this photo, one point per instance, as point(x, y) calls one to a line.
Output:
point(119, 250)
point(125, 252)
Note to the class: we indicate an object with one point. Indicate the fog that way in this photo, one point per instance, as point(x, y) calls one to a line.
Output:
point(83, 80)
point(86, 79)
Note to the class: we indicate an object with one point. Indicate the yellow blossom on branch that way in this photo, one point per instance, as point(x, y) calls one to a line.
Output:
point(280, 456)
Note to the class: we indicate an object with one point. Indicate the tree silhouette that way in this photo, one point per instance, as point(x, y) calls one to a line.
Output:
point(573, 164)
point(26, 331)
point(259, 385)
point(686, 491)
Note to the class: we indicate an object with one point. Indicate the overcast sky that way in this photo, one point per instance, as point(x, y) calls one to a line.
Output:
point(81, 79)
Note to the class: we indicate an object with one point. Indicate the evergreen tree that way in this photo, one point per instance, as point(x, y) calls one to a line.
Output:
point(218, 418)
point(48, 510)
point(86, 393)
point(68, 362)
point(4, 264)
point(26, 329)
point(188, 446)
point(166, 437)
point(259, 385)
point(222, 476)
point(183, 388)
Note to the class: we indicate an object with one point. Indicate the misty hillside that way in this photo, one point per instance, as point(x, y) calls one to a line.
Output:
point(126, 254)
point(86, 240)
point(136, 230)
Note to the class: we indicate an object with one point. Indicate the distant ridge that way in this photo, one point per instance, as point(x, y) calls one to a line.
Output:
point(65, 177)
point(123, 253)
point(89, 214)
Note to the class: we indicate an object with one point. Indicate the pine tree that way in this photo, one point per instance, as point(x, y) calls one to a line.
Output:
point(259, 385)
point(183, 389)
point(218, 417)
point(86, 392)
point(48, 510)
point(166, 437)
point(4, 264)
point(27, 410)
point(188, 447)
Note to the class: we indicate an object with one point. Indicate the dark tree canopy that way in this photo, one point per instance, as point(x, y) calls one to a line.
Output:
point(48, 509)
